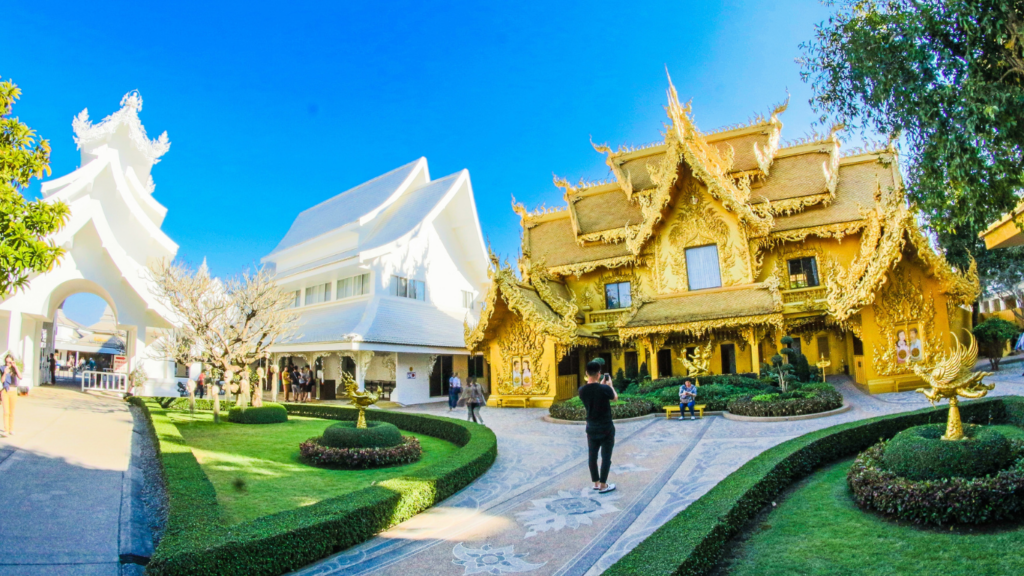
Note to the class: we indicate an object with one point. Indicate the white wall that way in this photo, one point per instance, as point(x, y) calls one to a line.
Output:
point(415, 390)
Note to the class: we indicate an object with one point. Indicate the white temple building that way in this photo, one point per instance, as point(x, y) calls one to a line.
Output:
point(385, 275)
point(112, 235)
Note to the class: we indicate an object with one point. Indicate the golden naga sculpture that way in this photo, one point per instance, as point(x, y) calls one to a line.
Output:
point(698, 364)
point(954, 376)
point(359, 399)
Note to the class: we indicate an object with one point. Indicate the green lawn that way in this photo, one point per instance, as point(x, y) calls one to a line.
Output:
point(818, 529)
point(256, 470)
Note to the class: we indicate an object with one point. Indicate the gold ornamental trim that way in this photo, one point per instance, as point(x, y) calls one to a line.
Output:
point(700, 328)
point(580, 268)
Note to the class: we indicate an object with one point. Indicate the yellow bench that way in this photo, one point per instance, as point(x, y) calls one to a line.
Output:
point(508, 401)
point(675, 408)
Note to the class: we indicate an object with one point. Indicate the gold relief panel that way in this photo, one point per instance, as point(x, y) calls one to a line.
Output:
point(905, 316)
point(522, 350)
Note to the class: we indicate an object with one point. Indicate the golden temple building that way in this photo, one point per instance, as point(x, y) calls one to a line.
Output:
point(729, 239)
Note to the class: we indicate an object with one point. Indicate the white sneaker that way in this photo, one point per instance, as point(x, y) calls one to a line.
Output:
point(607, 489)
point(682, 418)
point(693, 418)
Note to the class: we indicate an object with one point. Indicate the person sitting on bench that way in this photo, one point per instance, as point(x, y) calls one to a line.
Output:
point(687, 398)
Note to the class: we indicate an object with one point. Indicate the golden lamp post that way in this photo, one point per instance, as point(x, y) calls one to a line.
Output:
point(822, 364)
point(954, 376)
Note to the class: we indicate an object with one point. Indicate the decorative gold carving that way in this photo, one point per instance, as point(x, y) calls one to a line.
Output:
point(699, 363)
point(904, 303)
point(954, 376)
point(521, 340)
point(697, 223)
point(581, 268)
point(702, 327)
point(766, 155)
point(613, 236)
point(359, 399)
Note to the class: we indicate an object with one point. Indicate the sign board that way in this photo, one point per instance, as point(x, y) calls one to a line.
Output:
point(411, 374)
point(121, 364)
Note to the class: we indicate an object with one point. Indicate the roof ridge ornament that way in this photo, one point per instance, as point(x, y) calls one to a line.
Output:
point(131, 104)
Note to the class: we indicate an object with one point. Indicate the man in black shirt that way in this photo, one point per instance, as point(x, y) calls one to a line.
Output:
point(597, 398)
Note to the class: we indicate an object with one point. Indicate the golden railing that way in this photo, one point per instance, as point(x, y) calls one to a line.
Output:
point(805, 298)
point(610, 316)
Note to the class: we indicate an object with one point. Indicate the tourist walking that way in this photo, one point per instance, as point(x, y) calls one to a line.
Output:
point(10, 375)
point(53, 369)
point(201, 384)
point(474, 400)
point(454, 391)
point(597, 398)
point(687, 399)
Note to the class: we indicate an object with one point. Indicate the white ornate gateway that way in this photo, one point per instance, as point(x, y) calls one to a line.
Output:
point(112, 236)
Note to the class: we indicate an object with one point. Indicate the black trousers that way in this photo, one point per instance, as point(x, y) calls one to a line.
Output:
point(604, 443)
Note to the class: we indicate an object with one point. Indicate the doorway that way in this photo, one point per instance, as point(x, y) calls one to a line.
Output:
point(728, 358)
point(664, 363)
point(440, 375)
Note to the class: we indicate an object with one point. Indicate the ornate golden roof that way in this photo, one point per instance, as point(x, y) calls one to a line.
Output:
point(700, 311)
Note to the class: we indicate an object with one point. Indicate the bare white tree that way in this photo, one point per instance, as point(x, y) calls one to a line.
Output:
point(227, 324)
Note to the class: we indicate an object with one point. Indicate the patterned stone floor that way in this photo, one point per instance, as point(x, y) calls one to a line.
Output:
point(533, 511)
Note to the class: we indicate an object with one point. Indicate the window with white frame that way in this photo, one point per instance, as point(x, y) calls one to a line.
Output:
point(467, 299)
point(319, 293)
point(353, 286)
point(296, 298)
point(407, 288)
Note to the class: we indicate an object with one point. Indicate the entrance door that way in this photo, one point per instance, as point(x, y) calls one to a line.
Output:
point(858, 361)
point(632, 367)
point(823, 349)
point(664, 363)
point(607, 362)
point(440, 376)
point(728, 358)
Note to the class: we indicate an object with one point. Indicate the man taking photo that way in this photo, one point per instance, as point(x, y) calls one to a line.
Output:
point(597, 397)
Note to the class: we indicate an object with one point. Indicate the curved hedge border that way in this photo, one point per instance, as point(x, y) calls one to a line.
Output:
point(979, 500)
point(694, 540)
point(195, 542)
point(820, 401)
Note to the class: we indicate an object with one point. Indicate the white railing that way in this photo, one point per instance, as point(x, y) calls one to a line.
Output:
point(92, 380)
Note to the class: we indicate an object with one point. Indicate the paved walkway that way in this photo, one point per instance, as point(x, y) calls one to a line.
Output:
point(533, 511)
point(67, 505)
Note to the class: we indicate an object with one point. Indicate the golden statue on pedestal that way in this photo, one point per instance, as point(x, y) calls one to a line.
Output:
point(359, 399)
point(699, 364)
point(954, 376)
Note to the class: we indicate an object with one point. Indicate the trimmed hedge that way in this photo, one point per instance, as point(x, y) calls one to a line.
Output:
point(737, 380)
point(375, 435)
point(981, 500)
point(269, 413)
point(920, 453)
point(792, 403)
point(626, 407)
point(694, 540)
point(195, 542)
point(314, 451)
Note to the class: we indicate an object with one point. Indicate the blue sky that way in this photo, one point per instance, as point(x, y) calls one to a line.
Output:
point(274, 107)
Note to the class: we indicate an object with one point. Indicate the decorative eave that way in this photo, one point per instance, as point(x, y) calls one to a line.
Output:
point(702, 327)
point(131, 104)
point(580, 268)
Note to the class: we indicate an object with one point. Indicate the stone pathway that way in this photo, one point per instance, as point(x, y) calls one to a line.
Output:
point(67, 506)
point(533, 511)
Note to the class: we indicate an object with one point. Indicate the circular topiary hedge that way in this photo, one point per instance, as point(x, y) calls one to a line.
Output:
point(993, 498)
point(375, 435)
point(920, 453)
point(625, 407)
point(315, 452)
point(269, 413)
point(811, 399)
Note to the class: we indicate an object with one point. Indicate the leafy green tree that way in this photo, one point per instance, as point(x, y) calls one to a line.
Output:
point(644, 374)
point(992, 335)
point(24, 226)
point(948, 75)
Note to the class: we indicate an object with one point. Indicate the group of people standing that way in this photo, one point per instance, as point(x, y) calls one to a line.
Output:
point(471, 396)
point(298, 384)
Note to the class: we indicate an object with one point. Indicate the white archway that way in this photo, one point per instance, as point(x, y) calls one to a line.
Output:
point(111, 239)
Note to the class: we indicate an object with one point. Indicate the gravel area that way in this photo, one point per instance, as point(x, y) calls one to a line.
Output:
point(154, 493)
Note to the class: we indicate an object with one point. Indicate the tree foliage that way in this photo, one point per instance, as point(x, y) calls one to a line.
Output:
point(948, 75)
point(992, 335)
point(25, 226)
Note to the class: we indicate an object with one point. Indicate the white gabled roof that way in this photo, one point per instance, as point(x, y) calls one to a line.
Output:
point(352, 206)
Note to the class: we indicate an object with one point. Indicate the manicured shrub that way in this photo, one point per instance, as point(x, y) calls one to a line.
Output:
point(316, 452)
point(625, 407)
point(958, 500)
point(691, 543)
point(375, 435)
point(789, 404)
point(269, 413)
point(195, 542)
point(734, 380)
point(920, 453)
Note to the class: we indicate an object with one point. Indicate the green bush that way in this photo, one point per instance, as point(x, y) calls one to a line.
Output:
point(920, 453)
point(195, 542)
point(625, 407)
point(956, 500)
point(789, 404)
point(314, 451)
point(691, 543)
point(269, 413)
point(375, 435)
point(733, 380)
